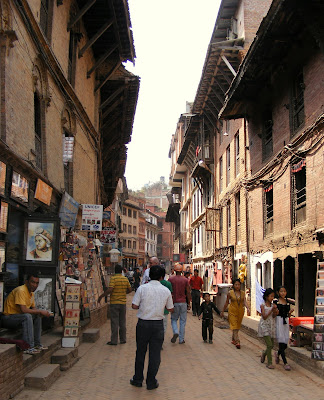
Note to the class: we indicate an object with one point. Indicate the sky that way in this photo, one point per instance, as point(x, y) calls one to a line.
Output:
point(171, 38)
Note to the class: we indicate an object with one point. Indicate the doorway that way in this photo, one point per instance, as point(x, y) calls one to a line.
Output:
point(289, 277)
point(307, 284)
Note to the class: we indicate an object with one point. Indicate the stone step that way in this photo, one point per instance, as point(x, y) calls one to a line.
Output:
point(66, 357)
point(91, 335)
point(43, 376)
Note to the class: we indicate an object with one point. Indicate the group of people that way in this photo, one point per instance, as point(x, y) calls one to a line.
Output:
point(154, 299)
point(274, 323)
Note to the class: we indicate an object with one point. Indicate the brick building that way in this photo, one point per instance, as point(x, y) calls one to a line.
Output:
point(279, 92)
point(209, 155)
point(67, 106)
point(129, 237)
point(164, 241)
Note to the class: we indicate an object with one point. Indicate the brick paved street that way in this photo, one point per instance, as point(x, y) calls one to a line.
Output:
point(191, 371)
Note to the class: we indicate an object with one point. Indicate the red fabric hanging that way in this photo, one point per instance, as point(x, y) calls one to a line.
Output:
point(297, 167)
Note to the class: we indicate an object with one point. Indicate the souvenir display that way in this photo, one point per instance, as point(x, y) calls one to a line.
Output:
point(78, 259)
point(318, 336)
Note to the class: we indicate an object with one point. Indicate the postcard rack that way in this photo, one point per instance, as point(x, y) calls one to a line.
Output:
point(72, 315)
point(318, 336)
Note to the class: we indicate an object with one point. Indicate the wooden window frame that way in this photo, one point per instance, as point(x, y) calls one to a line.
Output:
point(228, 165)
point(297, 104)
point(221, 174)
point(237, 153)
point(298, 196)
point(268, 210)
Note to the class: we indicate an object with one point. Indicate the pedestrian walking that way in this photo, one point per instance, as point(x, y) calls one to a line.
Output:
point(168, 285)
point(283, 313)
point(180, 293)
point(137, 278)
point(146, 275)
point(206, 310)
point(237, 302)
point(118, 287)
point(196, 284)
point(150, 300)
point(267, 327)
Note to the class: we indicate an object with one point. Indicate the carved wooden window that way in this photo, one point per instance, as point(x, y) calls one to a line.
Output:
point(298, 192)
point(228, 165)
point(237, 154)
point(238, 216)
point(297, 102)
point(72, 57)
point(38, 131)
point(229, 222)
point(45, 20)
point(221, 228)
point(221, 174)
point(267, 144)
point(268, 210)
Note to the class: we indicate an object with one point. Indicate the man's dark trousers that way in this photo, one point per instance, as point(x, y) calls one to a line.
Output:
point(195, 298)
point(118, 320)
point(148, 333)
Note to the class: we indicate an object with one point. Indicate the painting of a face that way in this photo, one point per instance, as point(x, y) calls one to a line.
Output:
point(40, 243)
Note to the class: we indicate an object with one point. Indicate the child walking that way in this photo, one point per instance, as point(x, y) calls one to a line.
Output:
point(267, 325)
point(206, 309)
point(283, 313)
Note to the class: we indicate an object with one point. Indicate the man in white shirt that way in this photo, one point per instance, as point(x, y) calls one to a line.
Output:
point(150, 300)
point(146, 275)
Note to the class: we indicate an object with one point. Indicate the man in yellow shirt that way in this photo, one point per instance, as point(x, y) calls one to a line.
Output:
point(19, 309)
point(119, 286)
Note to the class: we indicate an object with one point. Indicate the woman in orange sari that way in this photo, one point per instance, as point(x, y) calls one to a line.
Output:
point(237, 302)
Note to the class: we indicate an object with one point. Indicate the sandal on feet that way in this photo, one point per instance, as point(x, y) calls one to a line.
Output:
point(238, 346)
point(287, 367)
point(270, 366)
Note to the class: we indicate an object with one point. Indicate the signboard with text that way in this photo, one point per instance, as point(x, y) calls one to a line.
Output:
point(92, 217)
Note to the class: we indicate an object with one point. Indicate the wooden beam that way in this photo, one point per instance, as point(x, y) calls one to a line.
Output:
point(112, 107)
point(112, 123)
point(112, 97)
point(80, 14)
point(209, 118)
point(102, 59)
point(96, 37)
point(108, 76)
point(218, 96)
point(219, 85)
point(212, 112)
point(223, 73)
point(213, 104)
point(228, 64)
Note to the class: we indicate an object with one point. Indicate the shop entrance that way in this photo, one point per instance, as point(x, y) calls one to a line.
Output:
point(306, 285)
point(289, 277)
point(277, 274)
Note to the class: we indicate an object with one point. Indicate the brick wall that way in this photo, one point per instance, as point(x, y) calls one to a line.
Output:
point(23, 63)
point(283, 234)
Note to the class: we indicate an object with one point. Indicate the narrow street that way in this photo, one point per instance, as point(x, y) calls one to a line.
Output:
point(191, 371)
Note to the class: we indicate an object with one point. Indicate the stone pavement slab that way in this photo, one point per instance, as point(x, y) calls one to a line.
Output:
point(194, 370)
